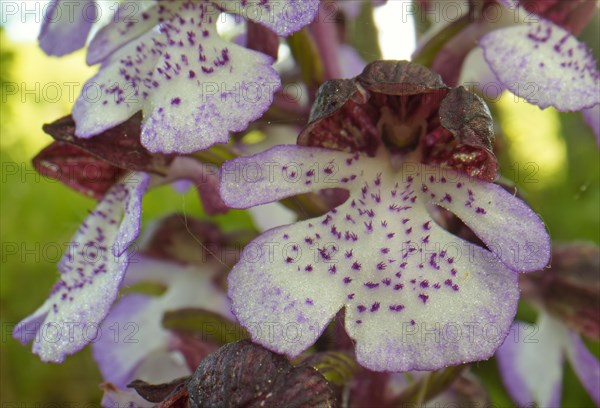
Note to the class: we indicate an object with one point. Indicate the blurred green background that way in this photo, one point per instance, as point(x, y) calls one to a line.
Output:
point(552, 157)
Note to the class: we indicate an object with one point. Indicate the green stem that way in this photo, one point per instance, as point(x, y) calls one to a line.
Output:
point(429, 386)
point(423, 390)
point(430, 50)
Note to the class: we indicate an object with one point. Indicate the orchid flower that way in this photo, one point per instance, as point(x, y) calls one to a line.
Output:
point(192, 86)
point(147, 356)
point(531, 362)
point(539, 59)
point(543, 53)
point(66, 25)
point(383, 257)
point(91, 273)
point(93, 268)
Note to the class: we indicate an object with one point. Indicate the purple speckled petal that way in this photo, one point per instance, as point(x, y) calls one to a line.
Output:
point(592, 118)
point(531, 362)
point(115, 94)
point(135, 184)
point(544, 64)
point(192, 86)
point(66, 25)
point(131, 20)
point(283, 308)
point(585, 365)
point(509, 228)
point(138, 318)
point(283, 171)
point(90, 275)
point(444, 315)
point(380, 254)
point(284, 17)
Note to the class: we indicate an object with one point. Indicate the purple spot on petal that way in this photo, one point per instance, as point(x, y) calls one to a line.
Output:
point(396, 308)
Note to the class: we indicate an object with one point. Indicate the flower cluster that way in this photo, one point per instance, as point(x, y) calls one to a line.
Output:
point(385, 242)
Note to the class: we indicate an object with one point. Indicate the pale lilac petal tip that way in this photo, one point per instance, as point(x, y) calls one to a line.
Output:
point(282, 308)
point(508, 357)
point(510, 229)
point(531, 362)
point(66, 25)
point(544, 64)
point(592, 117)
point(283, 17)
point(118, 350)
point(143, 341)
point(475, 319)
point(585, 365)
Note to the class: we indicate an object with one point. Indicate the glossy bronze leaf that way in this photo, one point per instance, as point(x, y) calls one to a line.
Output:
point(159, 392)
point(243, 374)
point(399, 78)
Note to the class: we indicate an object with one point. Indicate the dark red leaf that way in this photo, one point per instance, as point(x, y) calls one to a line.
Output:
point(243, 374)
point(260, 38)
point(119, 146)
point(341, 119)
point(77, 169)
